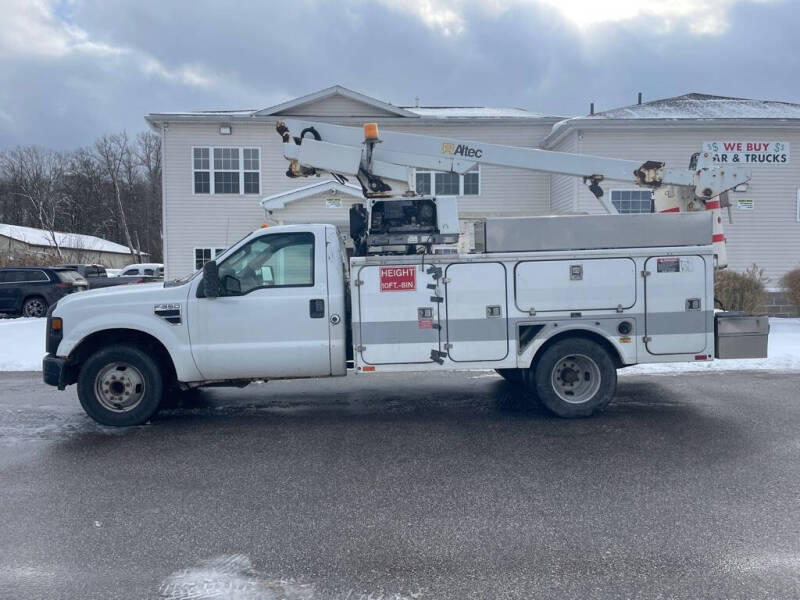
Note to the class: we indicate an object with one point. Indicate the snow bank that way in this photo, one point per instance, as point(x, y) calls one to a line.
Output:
point(22, 344)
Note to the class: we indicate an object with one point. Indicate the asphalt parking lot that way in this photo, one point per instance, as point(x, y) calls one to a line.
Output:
point(406, 487)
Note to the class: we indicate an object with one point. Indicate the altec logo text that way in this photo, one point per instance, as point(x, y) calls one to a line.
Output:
point(461, 150)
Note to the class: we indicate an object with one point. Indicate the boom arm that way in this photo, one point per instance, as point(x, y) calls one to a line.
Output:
point(314, 147)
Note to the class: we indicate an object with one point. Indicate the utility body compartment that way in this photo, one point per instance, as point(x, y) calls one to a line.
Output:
point(737, 335)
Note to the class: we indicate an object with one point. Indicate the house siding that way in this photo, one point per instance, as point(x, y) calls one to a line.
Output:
point(564, 188)
point(768, 235)
point(218, 220)
point(336, 106)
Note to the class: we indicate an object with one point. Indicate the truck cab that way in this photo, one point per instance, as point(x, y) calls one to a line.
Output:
point(277, 310)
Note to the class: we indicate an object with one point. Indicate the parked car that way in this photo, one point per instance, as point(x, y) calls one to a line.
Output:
point(143, 269)
point(98, 277)
point(30, 291)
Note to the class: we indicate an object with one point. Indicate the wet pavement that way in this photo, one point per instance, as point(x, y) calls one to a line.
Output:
point(406, 486)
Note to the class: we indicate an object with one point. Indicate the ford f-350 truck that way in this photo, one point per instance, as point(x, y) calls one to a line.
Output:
point(555, 317)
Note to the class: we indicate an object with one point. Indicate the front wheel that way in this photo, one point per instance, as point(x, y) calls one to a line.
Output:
point(120, 386)
point(575, 377)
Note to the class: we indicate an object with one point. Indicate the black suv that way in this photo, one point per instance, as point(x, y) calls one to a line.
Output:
point(29, 291)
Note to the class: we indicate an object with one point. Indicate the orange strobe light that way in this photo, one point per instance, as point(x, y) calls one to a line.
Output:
point(370, 132)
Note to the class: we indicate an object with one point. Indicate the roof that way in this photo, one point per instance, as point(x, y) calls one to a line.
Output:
point(703, 106)
point(72, 241)
point(334, 90)
point(280, 200)
point(435, 113)
point(688, 107)
point(475, 112)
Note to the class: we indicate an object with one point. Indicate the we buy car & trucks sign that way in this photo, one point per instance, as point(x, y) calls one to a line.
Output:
point(751, 152)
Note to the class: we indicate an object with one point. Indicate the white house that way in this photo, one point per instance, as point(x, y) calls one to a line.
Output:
point(224, 171)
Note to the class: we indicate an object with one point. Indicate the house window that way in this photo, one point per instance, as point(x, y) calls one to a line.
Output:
point(424, 183)
point(226, 170)
point(632, 201)
point(252, 170)
point(203, 255)
point(472, 184)
point(202, 171)
point(448, 184)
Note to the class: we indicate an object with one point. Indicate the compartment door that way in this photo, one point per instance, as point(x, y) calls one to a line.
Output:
point(575, 285)
point(477, 312)
point(677, 314)
point(399, 323)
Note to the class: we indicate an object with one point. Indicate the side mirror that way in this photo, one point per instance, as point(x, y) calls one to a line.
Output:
point(211, 279)
point(266, 275)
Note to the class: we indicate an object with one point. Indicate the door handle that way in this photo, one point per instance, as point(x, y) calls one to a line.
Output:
point(316, 308)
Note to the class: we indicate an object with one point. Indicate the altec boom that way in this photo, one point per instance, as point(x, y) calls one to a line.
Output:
point(384, 165)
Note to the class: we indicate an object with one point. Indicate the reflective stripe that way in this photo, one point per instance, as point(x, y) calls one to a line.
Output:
point(482, 330)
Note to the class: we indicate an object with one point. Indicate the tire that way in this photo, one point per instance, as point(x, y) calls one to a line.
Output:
point(513, 376)
point(35, 306)
point(120, 386)
point(575, 377)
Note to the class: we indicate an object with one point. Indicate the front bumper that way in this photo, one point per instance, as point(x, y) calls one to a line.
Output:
point(56, 371)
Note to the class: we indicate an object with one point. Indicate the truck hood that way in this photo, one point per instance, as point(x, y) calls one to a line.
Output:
point(124, 295)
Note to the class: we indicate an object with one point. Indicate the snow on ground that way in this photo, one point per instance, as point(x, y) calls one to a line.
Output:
point(783, 354)
point(22, 344)
point(22, 349)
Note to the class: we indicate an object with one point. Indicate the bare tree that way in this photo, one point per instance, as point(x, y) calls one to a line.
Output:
point(148, 154)
point(111, 152)
point(37, 175)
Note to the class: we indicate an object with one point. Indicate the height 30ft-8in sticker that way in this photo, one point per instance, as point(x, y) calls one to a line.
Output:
point(398, 279)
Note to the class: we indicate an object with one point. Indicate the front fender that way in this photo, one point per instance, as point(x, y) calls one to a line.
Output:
point(173, 337)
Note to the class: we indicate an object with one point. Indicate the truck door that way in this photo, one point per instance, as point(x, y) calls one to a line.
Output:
point(399, 321)
point(477, 311)
point(677, 311)
point(271, 319)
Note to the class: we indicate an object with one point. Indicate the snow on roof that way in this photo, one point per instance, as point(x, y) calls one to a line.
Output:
point(213, 113)
point(703, 106)
point(474, 112)
point(75, 241)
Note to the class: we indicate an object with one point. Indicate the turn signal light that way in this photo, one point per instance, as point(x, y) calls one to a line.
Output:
point(56, 324)
point(370, 132)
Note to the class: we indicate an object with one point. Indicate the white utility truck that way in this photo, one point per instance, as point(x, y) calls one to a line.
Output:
point(554, 304)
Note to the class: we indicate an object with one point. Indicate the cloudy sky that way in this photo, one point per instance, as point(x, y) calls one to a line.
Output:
point(73, 69)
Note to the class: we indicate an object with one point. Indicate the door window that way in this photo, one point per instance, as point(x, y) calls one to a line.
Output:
point(279, 260)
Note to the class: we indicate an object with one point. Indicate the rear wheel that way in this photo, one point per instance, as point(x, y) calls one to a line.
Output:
point(36, 306)
point(575, 377)
point(120, 386)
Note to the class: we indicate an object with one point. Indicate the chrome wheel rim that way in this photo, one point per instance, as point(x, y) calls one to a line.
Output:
point(119, 387)
point(34, 308)
point(575, 378)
